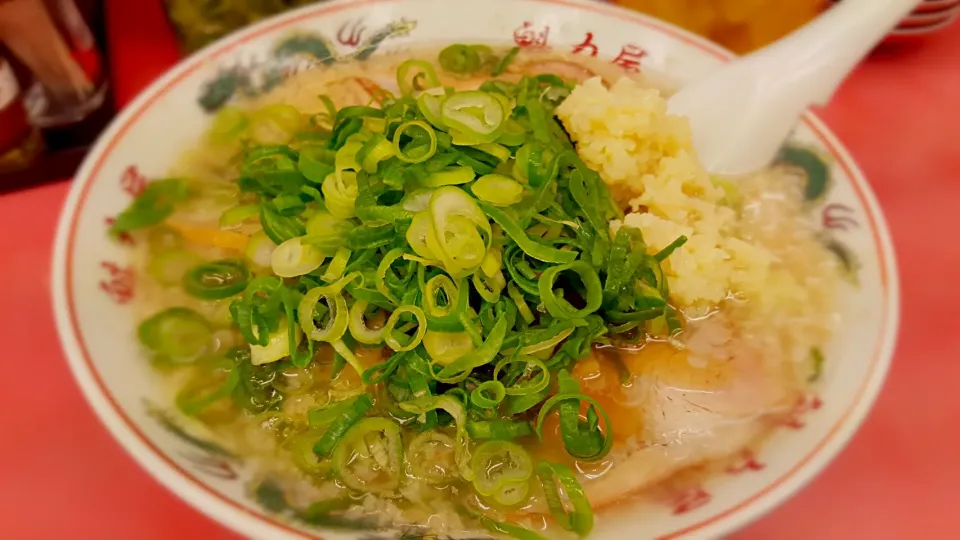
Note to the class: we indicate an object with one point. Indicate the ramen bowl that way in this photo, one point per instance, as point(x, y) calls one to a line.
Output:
point(96, 284)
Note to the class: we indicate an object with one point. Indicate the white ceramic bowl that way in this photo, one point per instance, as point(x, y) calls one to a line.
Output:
point(94, 285)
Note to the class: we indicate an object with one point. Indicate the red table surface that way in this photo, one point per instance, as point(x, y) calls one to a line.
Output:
point(63, 476)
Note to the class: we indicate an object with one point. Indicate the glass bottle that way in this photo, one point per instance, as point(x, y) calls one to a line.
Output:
point(58, 47)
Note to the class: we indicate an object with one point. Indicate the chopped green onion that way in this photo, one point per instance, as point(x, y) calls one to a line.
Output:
point(505, 62)
point(514, 405)
point(388, 328)
point(580, 519)
point(388, 259)
point(583, 440)
point(201, 393)
point(499, 429)
point(548, 343)
point(247, 311)
point(512, 133)
point(482, 355)
point(446, 347)
point(458, 233)
point(228, 124)
point(359, 111)
point(531, 385)
point(475, 114)
point(259, 250)
point(238, 214)
point(344, 352)
point(370, 456)
point(501, 470)
point(344, 416)
point(489, 288)
point(301, 450)
point(295, 258)
point(509, 529)
point(429, 105)
point(169, 267)
point(497, 190)
point(419, 387)
point(488, 394)
point(152, 206)
point(457, 226)
point(315, 163)
point(522, 306)
point(294, 380)
point(274, 124)
point(560, 308)
point(415, 75)
point(378, 373)
point(358, 327)
point(450, 176)
point(530, 247)
point(460, 59)
point(456, 410)
point(337, 266)
point(343, 131)
point(440, 286)
point(216, 280)
point(338, 317)
point(817, 359)
point(665, 252)
point(177, 334)
point(278, 345)
point(421, 236)
point(374, 151)
point(278, 227)
point(492, 261)
point(340, 193)
point(431, 457)
point(415, 151)
point(502, 153)
point(328, 232)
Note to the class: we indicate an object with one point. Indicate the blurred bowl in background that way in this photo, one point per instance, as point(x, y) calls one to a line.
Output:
point(929, 17)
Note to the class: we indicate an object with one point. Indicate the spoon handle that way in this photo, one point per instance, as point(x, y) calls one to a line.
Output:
point(822, 53)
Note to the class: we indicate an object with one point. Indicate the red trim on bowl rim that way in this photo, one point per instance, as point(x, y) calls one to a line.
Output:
point(219, 50)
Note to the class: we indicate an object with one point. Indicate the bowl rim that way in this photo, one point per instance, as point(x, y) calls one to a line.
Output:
point(260, 525)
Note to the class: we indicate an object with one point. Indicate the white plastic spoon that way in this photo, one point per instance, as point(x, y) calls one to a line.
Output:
point(743, 111)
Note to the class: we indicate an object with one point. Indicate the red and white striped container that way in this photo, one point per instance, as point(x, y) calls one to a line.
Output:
point(929, 17)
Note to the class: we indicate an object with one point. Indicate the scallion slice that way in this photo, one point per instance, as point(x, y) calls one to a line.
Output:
point(416, 75)
point(423, 145)
point(455, 408)
point(344, 416)
point(475, 114)
point(375, 445)
point(498, 190)
point(501, 470)
point(431, 456)
point(177, 334)
point(557, 480)
point(295, 258)
point(391, 337)
point(488, 394)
